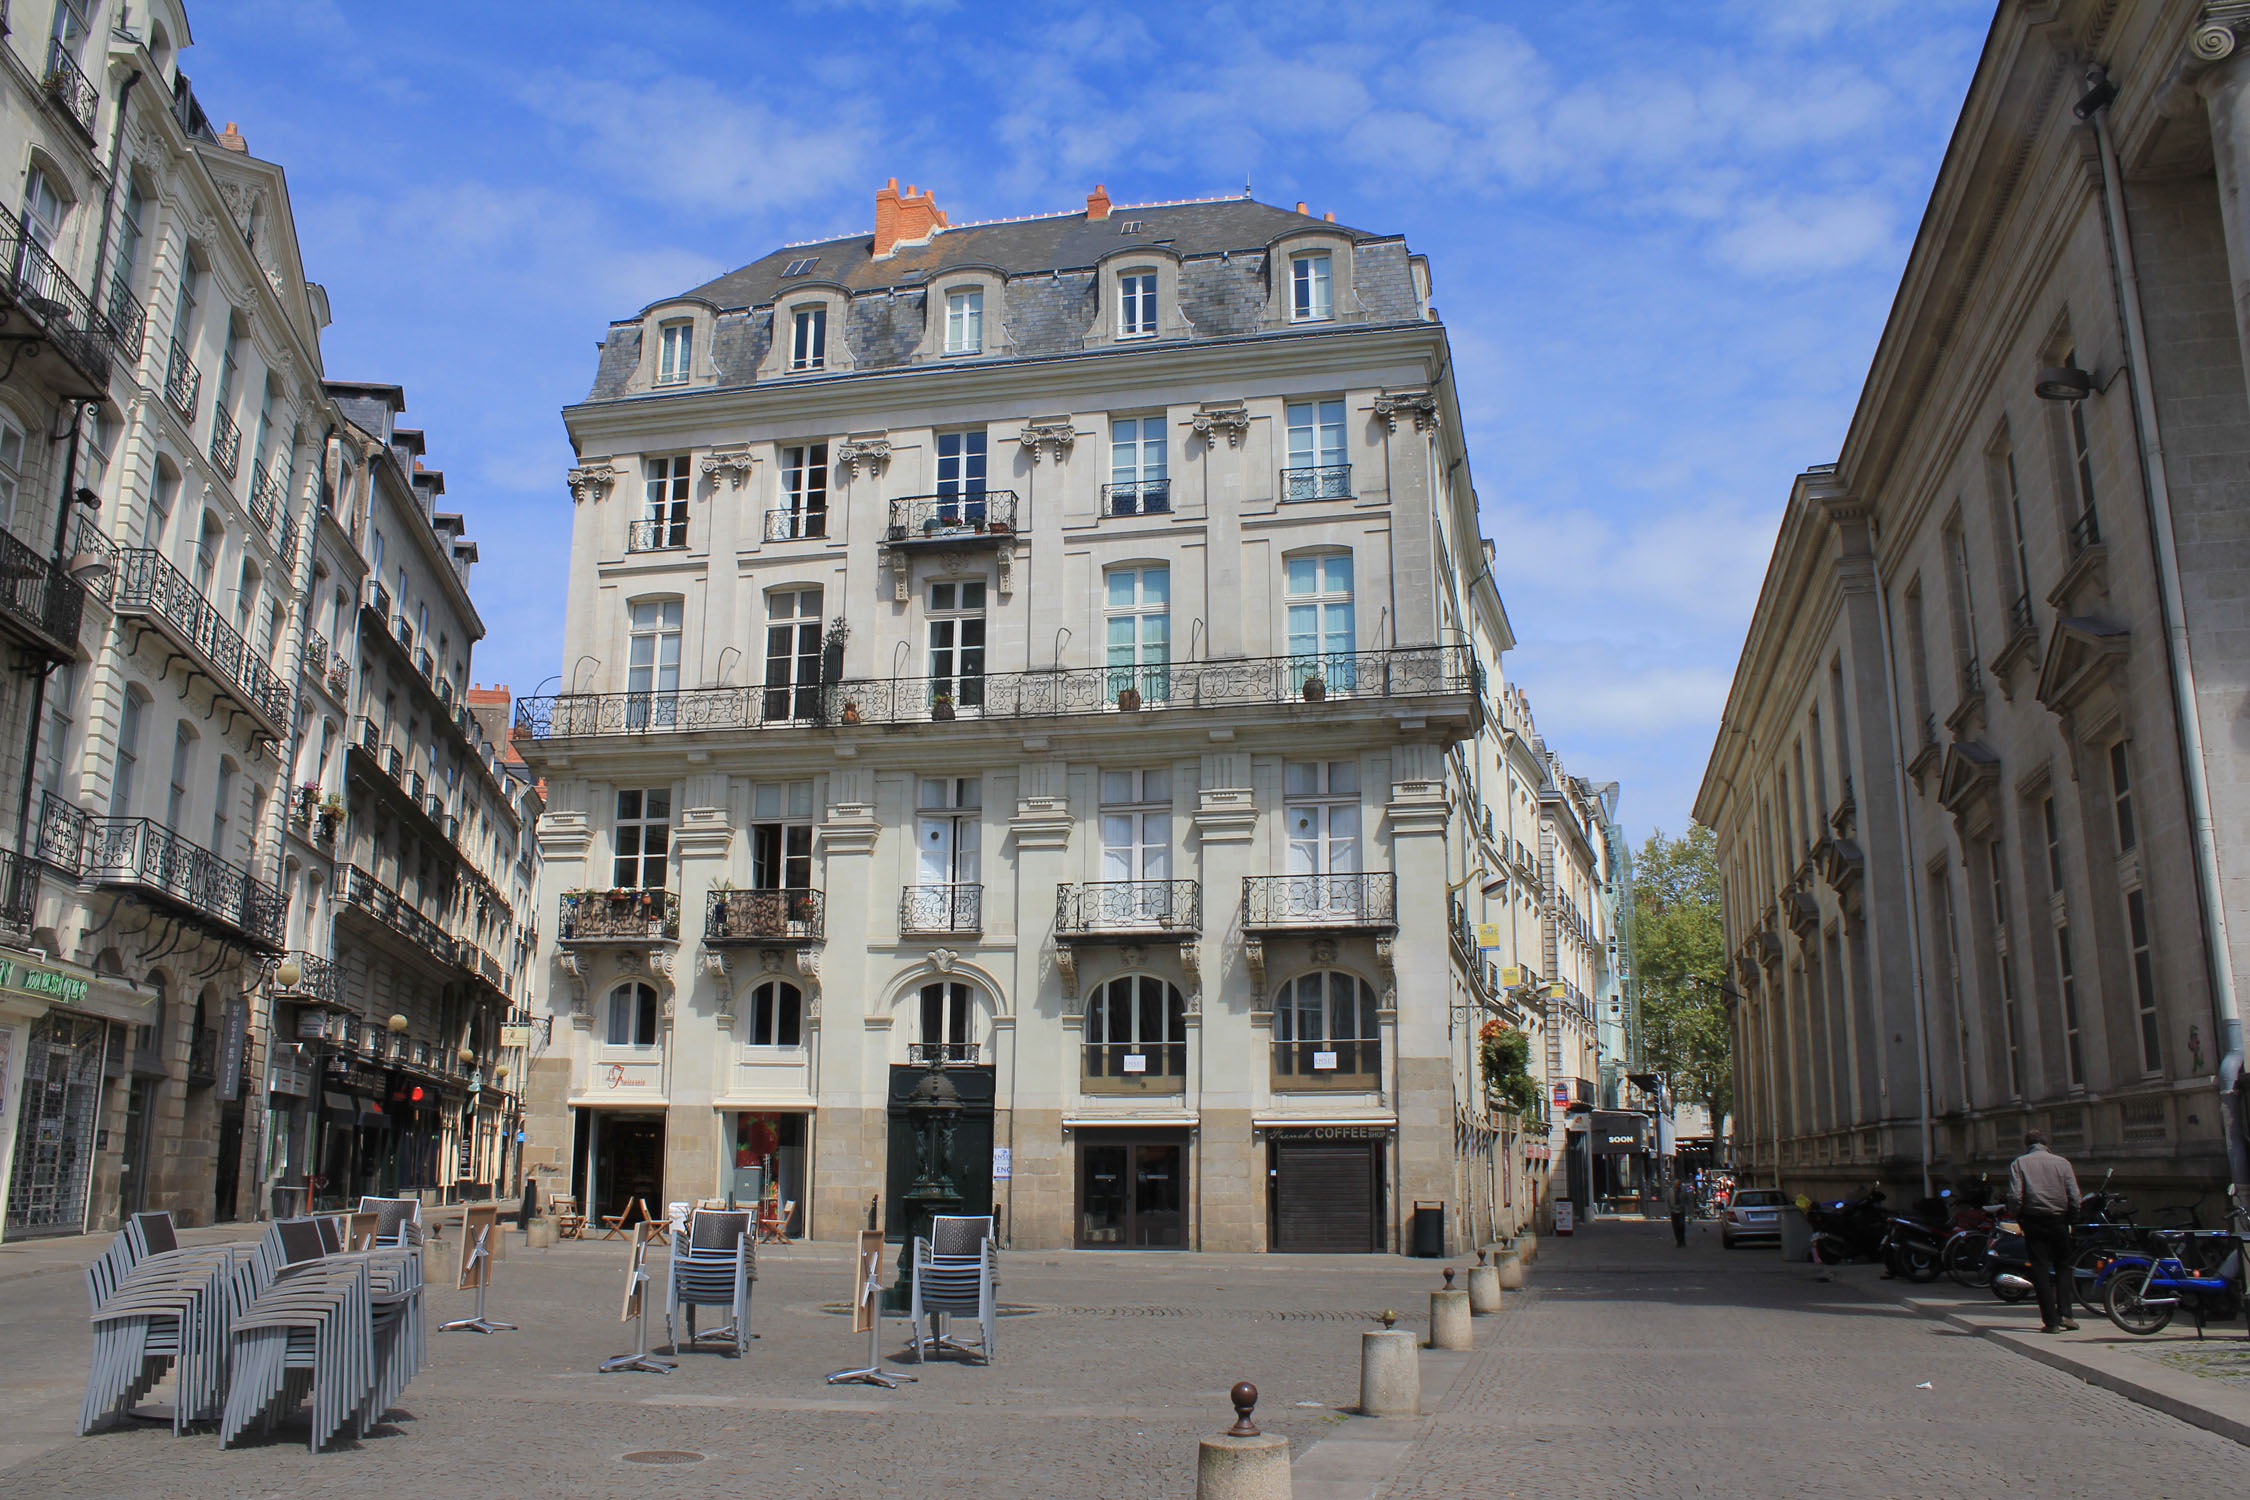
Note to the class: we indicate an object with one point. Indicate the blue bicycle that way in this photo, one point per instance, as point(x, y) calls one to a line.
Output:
point(2198, 1272)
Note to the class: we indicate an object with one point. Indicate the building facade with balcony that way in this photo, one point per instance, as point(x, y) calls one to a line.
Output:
point(1036, 650)
point(1980, 790)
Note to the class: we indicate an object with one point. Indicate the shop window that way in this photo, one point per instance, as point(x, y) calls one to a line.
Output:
point(1326, 1034)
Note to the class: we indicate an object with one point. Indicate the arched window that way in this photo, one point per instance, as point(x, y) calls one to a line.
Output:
point(1325, 1033)
point(777, 1015)
point(1136, 1029)
point(632, 1016)
point(949, 1020)
point(208, 544)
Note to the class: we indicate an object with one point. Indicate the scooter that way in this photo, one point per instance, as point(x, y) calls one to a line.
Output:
point(1914, 1247)
point(2144, 1292)
point(1854, 1230)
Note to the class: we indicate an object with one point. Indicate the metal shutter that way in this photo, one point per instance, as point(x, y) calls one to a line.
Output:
point(1324, 1196)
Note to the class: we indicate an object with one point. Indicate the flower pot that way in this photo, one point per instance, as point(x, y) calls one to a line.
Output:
point(1315, 690)
point(851, 713)
point(1129, 700)
point(942, 711)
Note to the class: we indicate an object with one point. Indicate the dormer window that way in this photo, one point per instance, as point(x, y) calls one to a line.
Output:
point(1309, 300)
point(1136, 305)
point(808, 338)
point(964, 321)
point(677, 360)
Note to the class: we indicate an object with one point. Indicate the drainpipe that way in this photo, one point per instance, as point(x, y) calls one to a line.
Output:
point(2226, 1011)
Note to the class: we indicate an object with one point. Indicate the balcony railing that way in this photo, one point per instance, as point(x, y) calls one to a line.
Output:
point(364, 891)
point(796, 525)
point(619, 916)
point(953, 519)
point(149, 859)
point(1324, 482)
point(926, 1053)
point(268, 490)
point(1972, 677)
point(182, 381)
point(379, 600)
point(316, 979)
point(2019, 613)
point(773, 917)
point(1351, 1065)
point(226, 440)
point(1135, 1067)
point(655, 536)
point(1128, 908)
point(290, 537)
point(941, 908)
point(1150, 497)
point(1303, 901)
point(69, 86)
point(1409, 672)
point(19, 891)
point(148, 584)
point(64, 316)
point(2085, 532)
point(317, 654)
point(41, 603)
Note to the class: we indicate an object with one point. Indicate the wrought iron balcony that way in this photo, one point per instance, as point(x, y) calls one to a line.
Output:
point(148, 586)
point(2019, 613)
point(269, 490)
point(363, 892)
point(1129, 909)
point(290, 537)
point(226, 440)
point(926, 1053)
point(985, 516)
point(774, 919)
point(127, 318)
point(1409, 672)
point(40, 604)
point(182, 381)
point(63, 339)
point(316, 979)
point(379, 600)
point(151, 862)
point(619, 916)
point(1150, 497)
point(1324, 482)
point(19, 891)
point(656, 536)
point(796, 525)
point(67, 84)
point(2085, 532)
point(1302, 902)
point(941, 908)
point(316, 653)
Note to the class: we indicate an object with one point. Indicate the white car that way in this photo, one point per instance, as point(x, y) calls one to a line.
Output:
point(1752, 1214)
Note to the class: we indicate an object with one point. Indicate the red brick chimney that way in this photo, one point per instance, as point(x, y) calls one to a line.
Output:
point(1097, 203)
point(908, 218)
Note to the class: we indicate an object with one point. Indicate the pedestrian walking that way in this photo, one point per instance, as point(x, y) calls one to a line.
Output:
point(2043, 1195)
point(1683, 1197)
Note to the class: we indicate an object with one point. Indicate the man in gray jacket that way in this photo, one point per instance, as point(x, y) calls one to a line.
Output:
point(2043, 1195)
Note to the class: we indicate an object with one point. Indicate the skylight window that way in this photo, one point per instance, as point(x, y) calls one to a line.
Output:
point(1130, 226)
point(800, 267)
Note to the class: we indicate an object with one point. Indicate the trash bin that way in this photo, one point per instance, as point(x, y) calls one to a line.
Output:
point(1429, 1229)
point(1796, 1234)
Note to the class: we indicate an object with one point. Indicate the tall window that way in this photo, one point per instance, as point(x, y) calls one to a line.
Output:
point(653, 650)
point(1321, 811)
point(643, 839)
point(781, 836)
point(1136, 1028)
point(2020, 616)
point(62, 697)
point(1964, 602)
point(664, 522)
point(677, 358)
point(956, 626)
point(246, 591)
point(222, 810)
point(183, 311)
point(948, 830)
point(1918, 663)
point(208, 542)
point(2144, 981)
point(2011, 1019)
point(131, 232)
point(808, 338)
point(1136, 305)
point(42, 208)
point(228, 365)
point(949, 1022)
point(960, 477)
point(1308, 287)
point(1324, 1029)
point(162, 498)
point(183, 768)
point(2066, 977)
point(2121, 798)
point(11, 468)
point(1317, 467)
point(964, 321)
point(70, 25)
point(1138, 483)
point(777, 1015)
point(1136, 833)
point(793, 654)
point(632, 1016)
point(1941, 897)
point(2088, 529)
point(804, 492)
point(1318, 596)
point(1139, 621)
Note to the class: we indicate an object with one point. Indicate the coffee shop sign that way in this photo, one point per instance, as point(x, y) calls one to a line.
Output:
point(67, 988)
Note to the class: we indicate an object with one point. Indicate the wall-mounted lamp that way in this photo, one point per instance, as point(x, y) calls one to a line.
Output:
point(287, 973)
point(2062, 383)
point(397, 1023)
point(91, 570)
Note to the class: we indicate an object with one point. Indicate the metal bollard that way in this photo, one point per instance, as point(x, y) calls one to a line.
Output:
point(1390, 1372)
point(1449, 1318)
point(1242, 1463)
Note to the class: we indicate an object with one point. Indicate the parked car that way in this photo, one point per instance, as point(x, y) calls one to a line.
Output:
point(1752, 1214)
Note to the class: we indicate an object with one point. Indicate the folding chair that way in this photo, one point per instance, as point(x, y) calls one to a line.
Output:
point(956, 1273)
point(713, 1265)
point(773, 1221)
point(570, 1224)
point(618, 1223)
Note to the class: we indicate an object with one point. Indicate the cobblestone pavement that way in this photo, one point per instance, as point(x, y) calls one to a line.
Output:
point(1632, 1368)
point(1110, 1369)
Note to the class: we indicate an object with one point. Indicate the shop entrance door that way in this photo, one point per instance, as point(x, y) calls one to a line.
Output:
point(1327, 1195)
point(62, 1084)
point(628, 1162)
point(1132, 1194)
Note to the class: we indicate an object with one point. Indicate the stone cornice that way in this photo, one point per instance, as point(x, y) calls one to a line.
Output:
point(1054, 439)
point(594, 479)
point(1422, 406)
point(736, 466)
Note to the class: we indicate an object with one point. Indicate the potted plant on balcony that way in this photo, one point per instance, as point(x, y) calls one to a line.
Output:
point(1315, 690)
point(1129, 700)
point(941, 708)
point(851, 712)
point(801, 907)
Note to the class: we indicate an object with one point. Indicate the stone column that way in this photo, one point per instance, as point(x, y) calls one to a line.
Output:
point(1230, 1050)
point(1035, 1097)
point(1422, 991)
point(850, 1142)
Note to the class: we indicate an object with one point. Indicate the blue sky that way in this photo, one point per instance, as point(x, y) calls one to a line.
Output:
point(1663, 237)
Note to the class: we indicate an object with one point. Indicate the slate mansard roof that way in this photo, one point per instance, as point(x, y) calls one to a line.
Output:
point(1049, 267)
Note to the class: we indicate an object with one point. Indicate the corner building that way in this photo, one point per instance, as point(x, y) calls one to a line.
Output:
point(1035, 646)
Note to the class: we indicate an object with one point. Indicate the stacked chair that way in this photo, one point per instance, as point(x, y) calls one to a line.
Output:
point(956, 1273)
point(398, 1221)
point(157, 1307)
point(714, 1264)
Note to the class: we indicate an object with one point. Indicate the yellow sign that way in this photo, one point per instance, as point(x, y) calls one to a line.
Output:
point(1511, 977)
point(1488, 934)
point(514, 1036)
point(1557, 991)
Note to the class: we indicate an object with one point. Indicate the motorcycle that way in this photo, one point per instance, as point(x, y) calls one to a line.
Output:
point(1914, 1245)
point(2144, 1292)
point(1857, 1229)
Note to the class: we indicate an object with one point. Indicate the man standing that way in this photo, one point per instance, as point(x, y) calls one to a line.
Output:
point(2043, 1195)
point(1682, 1197)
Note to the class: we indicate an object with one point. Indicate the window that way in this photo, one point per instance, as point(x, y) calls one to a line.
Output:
point(1136, 817)
point(2012, 1022)
point(781, 836)
point(632, 1016)
point(1321, 812)
point(1918, 660)
point(793, 654)
point(271, 640)
point(1317, 469)
point(1941, 896)
point(131, 232)
point(1138, 483)
point(42, 208)
point(62, 690)
point(1325, 1029)
point(183, 766)
point(964, 321)
point(957, 643)
point(162, 498)
point(949, 830)
point(960, 478)
point(804, 493)
point(1318, 597)
point(1136, 305)
point(2020, 611)
point(1140, 631)
point(222, 810)
point(11, 468)
point(183, 319)
point(1308, 287)
point(2087, 530)
point(1962, 596)
point(2121, 798)
point(801, 267)
point(948, 1022)
point(1136, 1030)
point(808, 338)
point(208, 544)
point(777, 1015)
point(653, 658)
point(246, 591)
point(70, 25)
point(643, 839)
point(664, 519)
point(2066, 978)
point(2144, 981)
point(676, 360)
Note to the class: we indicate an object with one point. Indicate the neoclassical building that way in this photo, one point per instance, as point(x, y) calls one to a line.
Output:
point(1063, 649)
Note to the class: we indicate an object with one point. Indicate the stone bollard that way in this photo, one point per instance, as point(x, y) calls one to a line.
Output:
point(1242, 1463)
point(1390, 1372)
point(1484, 1288)
point(1527, 1246)
point(538, 1232)
point(1449, 1318)
point(1511, 1271)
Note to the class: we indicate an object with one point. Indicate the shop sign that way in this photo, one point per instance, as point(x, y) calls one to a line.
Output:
point(234, 1038)
point(1330, 1132)
point(1488, 936)
point(312, 1025)
point(1003, 1163)
point(512, 1035)
point(47, 983)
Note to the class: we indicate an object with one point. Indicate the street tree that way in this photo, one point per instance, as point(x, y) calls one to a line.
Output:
point(1679, 955)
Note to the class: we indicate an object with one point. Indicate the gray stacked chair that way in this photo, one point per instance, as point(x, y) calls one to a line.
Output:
point(714, 1264)
point(143, 1235)
point(956, 1273)
point(167, 1309)
point(398, 1221)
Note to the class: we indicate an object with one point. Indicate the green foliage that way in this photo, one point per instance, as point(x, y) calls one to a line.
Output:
point(1679, 955)
point(1506, 1055)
